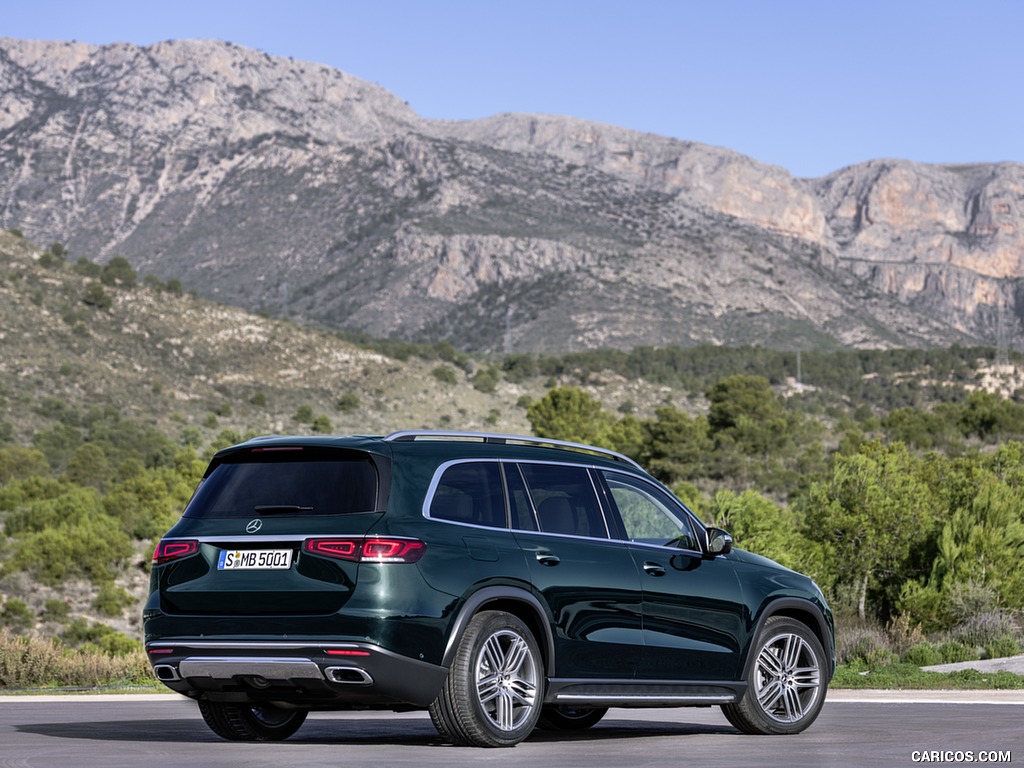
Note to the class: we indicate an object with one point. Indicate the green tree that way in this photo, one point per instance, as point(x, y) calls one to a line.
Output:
point(981, 543)
point(675, 445)
point(760, 526)
point(486, 379)
point(118, 271)
point(87, 268)
point(569, 413)
point(95, 296)
point(18, 463)
point(872, 517)
point(744, 411)
point(88, 465)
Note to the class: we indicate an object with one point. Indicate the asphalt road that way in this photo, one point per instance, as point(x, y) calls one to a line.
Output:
point(109, 732)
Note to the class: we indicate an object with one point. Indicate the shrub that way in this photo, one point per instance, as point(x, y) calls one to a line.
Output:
point(954, 652)
point(95, 296)
point(56, 610)
point(486, 380)
point(17, 615)
point(1002, 646)
point(118, 271)
point(96, 547)
point(304, 414)
point(981, 629)
point(922, 655)
point(28, 662)
point(322, 425)
point(111, 600)
point(862, 644)
point(968, 599)
point(903, 633)
point(69, 508)
point(81, 634)
point(348, 402)
point(444, 374)
point(87, 268)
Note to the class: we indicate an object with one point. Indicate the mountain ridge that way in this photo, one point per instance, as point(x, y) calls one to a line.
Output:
point(293, 189)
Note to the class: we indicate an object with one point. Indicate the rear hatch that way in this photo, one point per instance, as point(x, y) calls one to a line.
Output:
point(265, 528)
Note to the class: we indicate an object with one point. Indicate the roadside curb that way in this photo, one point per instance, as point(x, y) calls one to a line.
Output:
point(14, 698)
point(872, 696)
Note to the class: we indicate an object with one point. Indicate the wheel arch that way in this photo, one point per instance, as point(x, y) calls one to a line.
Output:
point(808, 614)
point(516, 601)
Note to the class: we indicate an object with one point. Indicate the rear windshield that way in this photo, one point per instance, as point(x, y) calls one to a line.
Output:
point(287, 482)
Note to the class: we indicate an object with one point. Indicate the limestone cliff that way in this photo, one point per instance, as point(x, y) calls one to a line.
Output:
point(292, 188)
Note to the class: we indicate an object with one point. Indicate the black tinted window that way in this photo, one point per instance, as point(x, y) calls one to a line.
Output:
point(470, 493)
point(564, 499)
point(519, 500)
point(298, 482)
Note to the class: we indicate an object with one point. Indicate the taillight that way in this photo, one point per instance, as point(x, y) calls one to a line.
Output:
point(360, 550)
point(175, 549)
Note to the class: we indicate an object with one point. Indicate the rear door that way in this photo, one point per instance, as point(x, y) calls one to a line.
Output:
point(588, 580)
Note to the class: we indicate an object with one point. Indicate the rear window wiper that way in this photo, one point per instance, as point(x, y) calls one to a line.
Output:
point(280, 509)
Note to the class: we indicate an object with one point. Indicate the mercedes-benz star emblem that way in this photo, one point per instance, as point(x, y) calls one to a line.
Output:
point(253, 526)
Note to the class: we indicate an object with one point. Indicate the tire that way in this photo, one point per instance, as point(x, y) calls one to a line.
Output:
point(569, 718)
point(493, 693)
point(786, 683)
point(241, 722)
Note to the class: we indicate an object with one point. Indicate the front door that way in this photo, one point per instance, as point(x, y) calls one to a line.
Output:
point(693, 611)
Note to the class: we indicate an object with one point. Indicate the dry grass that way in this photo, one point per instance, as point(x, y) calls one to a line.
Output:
point(32, 662)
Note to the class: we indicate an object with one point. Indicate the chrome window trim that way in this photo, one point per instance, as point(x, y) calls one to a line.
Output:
point(696, 526)
point(601, 506)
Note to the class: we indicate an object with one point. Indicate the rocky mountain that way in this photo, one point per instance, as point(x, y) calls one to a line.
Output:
point(293, 189)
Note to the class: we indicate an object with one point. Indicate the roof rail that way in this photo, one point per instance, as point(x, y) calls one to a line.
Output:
point(410, 435)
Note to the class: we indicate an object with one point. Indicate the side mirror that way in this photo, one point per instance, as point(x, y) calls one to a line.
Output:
point(719, 542)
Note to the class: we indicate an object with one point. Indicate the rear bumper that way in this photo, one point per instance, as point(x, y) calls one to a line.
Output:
point(313, 675)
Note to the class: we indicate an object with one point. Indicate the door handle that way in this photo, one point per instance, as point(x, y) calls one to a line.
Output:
point(654, 569)
point(546, 558)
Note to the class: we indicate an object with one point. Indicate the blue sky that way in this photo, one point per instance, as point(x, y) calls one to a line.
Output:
point(811, 86)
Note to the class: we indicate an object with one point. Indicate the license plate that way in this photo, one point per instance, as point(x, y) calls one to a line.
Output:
point(248, 559)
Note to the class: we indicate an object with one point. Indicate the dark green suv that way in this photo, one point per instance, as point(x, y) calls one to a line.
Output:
point(502, 582)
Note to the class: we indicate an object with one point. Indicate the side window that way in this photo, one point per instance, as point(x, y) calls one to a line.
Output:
point(648, 515)
point(523, 518)
point(470, 493)
point(565, 500)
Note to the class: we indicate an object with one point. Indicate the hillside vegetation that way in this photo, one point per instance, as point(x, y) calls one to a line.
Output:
point(895, 478)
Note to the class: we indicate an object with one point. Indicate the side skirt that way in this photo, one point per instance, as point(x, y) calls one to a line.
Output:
point(648, 693)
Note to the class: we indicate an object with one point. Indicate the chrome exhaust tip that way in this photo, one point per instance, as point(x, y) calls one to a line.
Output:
point(348, 675)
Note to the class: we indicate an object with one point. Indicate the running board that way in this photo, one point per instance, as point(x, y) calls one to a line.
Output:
point(632, 693)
